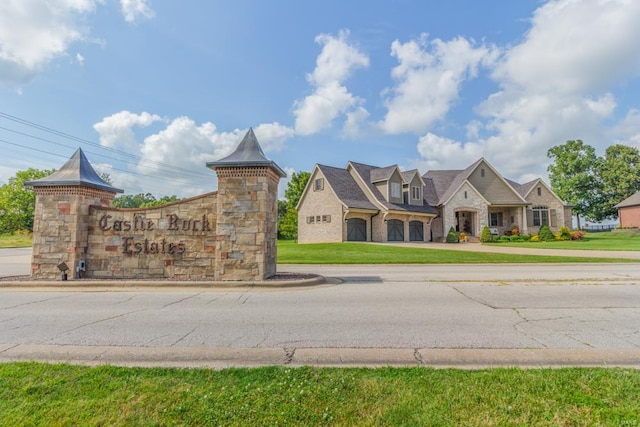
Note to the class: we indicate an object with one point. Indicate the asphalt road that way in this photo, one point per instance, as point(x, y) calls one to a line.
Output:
point(482, 315)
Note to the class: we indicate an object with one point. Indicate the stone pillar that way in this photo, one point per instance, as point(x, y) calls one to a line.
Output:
point(246, 225)
point(60, 227)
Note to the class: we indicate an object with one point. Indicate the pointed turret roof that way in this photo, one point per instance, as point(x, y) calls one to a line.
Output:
point(76, 171)
point(247, 153)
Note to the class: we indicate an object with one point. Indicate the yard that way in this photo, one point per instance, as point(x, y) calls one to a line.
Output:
point(606, 241)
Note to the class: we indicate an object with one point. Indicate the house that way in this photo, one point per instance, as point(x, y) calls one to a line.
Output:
point(469, 199)
point(367, 203)
point(629, 211)
point(364, 203)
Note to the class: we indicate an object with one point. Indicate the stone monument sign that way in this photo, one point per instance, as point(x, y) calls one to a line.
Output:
point(226, 235)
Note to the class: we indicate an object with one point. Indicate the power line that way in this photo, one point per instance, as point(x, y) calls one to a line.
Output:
point(140, 159)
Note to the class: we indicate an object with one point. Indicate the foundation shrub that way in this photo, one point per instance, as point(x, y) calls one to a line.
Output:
point(525, 237)
point(486, 235)
point(535, 238)
point(515, 238)
point(545, 234)
point(564, 233)
point(452, 236)
point(505, 238)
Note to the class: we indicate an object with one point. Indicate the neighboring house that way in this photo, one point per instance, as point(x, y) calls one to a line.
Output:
point(385, 204)
point(364, 203)
point(629, 211)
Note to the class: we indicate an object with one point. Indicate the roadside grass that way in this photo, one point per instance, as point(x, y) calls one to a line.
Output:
point(45, 394)
point(15, 240)
point(605, 241)
point(290, 252)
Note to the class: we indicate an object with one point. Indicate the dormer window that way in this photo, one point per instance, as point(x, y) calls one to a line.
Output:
point(416, 193)
point(396, 189)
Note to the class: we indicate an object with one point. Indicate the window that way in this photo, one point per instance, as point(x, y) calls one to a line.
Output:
point(318, 219)
point(495, 219)
point(311, 219)
point(415, 193)
point(318, 184)
point(326, 218)
point(539, 191)
point(482, 172)
point(540, 215)
point(395, 189)
point(465, 194)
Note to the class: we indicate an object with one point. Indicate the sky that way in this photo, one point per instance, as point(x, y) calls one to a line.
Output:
point(152, 90)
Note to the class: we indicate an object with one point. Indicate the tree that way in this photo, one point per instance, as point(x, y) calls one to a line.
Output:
point(620, 174)
point(141, 200)
point(17, 202)
point(573, 176)
point(287, 213)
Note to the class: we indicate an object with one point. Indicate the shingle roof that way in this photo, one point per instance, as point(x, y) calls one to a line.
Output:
point(438, 184)
point(365, 172)
point(76, 171)
point(247, 153)
point(633, 200)
point(522, 189)
point(382, 174)
point(346, 188)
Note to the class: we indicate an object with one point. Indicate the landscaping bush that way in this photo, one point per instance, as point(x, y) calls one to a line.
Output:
point(577, 234)
point(515, 238)
point(545, 234)
point(535, 238)
point(564, 232)
point(486, 235)
point(505, 238)
point(515, 231)
point(525, 237)
point(452, 236)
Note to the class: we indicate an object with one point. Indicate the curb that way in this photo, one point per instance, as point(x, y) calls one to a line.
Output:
point(93, 284)
point(228, 357)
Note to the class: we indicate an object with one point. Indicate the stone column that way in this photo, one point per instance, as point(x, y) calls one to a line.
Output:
point(60, 227)
point(246, 227)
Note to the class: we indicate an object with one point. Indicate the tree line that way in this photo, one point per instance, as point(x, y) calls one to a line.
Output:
point(594, 185)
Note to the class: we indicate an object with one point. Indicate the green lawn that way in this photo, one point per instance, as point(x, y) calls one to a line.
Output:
point(290, 252)
point(14, 241)
point(608, 241)
point(43, 394)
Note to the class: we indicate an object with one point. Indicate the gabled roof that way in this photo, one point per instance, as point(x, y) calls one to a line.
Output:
point(523, 189)
point(247, 153)
point(346, 188)
point(407, 176)
point(365, 171)
point(77, 171)
point(383, 174)
point(633, 200)
point(445, 183)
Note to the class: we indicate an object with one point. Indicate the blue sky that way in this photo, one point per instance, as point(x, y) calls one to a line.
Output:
point(152, 90)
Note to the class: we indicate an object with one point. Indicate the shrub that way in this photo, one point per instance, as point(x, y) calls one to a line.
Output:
point(535, 238)
point(564, 232)
point(515, 231)
point(577, 234)
point(515, 238)
point(545, 234)
point(452, 236)
point(525, 237)
point(486, 235)
point(505, 238)
point(463, 236)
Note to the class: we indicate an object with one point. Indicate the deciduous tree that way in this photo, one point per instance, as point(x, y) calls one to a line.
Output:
point(17, 202)
point(287, 213)
point(620, 174)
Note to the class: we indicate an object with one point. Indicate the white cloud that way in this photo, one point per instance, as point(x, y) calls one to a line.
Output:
point(134, 9)
point(557, 84)
point(80, 59)
point(116, 130)
point(173, 160)
point(34, 32)
point(429, 76)
point(330, 99)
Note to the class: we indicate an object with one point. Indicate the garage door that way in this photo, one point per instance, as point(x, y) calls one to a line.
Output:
point(395, 230)
point(416, 231)
point(356, 230)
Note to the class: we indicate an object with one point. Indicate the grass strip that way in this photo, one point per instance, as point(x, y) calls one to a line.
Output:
point(289, 252)
point(606, 241)
point(43, 394)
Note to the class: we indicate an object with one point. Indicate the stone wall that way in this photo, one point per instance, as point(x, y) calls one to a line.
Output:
point(61, 227)
point(176, 240)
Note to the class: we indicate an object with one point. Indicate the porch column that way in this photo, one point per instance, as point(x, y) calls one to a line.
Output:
point(524, 229)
